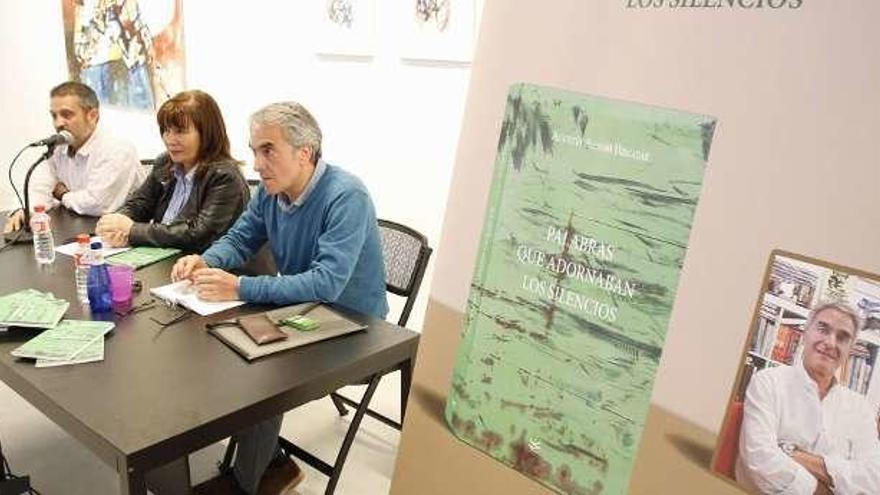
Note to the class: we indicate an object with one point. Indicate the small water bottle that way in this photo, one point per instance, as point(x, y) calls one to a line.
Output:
point(44, 243)
point(100, 300)
point(81, 263)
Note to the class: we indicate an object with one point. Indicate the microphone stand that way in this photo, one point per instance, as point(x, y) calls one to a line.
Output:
point(24, 234)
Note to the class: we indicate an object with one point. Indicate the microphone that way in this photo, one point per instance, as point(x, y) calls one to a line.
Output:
point(63, 137)
point(24, 235)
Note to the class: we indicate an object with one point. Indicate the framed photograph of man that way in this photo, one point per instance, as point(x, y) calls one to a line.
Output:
point(803, 412)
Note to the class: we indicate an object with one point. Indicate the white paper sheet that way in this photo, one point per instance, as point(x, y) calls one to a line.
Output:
point(71, 248)
point(184, 294)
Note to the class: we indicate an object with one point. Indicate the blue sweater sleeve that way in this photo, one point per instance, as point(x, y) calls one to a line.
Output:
point(245, 237)
point(339, 248)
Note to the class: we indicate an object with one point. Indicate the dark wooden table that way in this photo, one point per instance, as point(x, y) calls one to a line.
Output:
point(160, 394)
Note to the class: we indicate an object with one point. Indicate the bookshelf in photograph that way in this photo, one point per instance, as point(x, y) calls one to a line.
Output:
point(794, 282)
point(777, 338)
point(857, 370)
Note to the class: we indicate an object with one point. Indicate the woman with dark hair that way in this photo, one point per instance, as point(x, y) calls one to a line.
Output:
point(195, 191)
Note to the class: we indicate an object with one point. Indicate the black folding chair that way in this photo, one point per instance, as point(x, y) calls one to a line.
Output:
point(406, 253)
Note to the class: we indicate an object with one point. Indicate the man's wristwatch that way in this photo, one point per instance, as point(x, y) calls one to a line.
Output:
point(787, 447)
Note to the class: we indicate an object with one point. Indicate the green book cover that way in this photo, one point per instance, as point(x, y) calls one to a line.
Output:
point(586, 230)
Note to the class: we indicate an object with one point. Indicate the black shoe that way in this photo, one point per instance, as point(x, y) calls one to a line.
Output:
point(281, 477)
point(223, 484)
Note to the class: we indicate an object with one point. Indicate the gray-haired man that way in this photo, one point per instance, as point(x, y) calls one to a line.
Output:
point(803, 432)
point(320, 224)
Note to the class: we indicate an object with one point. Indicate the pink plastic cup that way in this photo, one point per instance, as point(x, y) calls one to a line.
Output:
point(121, 282)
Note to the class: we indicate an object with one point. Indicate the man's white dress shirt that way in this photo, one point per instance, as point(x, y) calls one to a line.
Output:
point(782, 406)
point(99, 175)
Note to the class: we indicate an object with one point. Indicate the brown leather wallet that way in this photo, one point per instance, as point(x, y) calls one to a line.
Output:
point(260, 329)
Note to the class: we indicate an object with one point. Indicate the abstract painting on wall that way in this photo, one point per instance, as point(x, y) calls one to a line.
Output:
point(345, 27)
point(438, 30)
point(131, 53)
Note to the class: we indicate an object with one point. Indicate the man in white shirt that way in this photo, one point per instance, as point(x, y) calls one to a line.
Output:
point(92, 175)
point(803, 432)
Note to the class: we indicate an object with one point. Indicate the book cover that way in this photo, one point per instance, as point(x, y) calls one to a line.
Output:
point(585, 234)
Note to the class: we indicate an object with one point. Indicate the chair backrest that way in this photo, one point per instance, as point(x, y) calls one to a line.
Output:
point(253, 184)
point(406, 254)
point(151, 162)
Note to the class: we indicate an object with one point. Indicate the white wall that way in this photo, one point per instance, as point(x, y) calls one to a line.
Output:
point(394, 124)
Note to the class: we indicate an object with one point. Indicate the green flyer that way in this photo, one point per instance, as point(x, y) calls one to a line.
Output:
point(142, 256)
point(64, 341)
point(31, 308)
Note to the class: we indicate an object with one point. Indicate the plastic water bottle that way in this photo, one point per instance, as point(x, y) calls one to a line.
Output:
point(81, 263)
point(44, 243)
point(100, 300)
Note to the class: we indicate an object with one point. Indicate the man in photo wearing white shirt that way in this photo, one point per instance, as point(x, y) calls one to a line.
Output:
point(93, 174)
point(802, 431)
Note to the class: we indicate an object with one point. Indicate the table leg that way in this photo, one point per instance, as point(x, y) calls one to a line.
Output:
point(406, 374)
point(170, 479)
point(131, 482)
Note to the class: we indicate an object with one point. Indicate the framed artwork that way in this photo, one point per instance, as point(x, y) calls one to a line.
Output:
point(345, 27)
point(803, 413)
point(131, 53)
point(438, 30)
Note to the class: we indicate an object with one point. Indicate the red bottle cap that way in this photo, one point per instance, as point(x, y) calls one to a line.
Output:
point(39, 208)
point(83, 239)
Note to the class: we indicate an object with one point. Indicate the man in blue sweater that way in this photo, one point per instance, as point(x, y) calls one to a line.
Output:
point(321, 227)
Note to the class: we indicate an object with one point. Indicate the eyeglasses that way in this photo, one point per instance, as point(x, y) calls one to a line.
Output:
point(144, 306)
point(181, 314)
